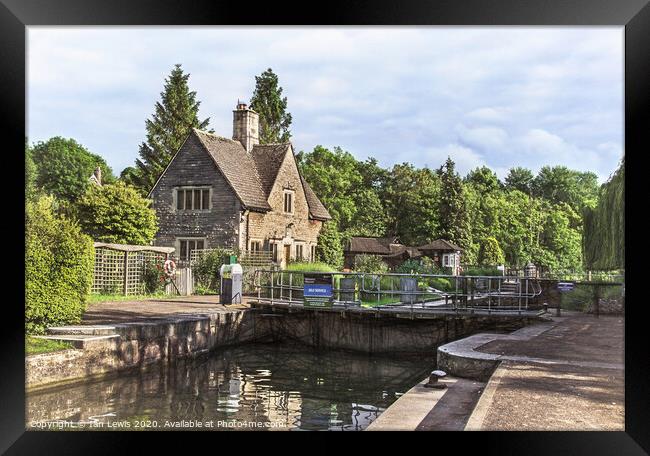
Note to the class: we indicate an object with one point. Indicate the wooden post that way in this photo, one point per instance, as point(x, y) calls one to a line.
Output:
point(126, 272)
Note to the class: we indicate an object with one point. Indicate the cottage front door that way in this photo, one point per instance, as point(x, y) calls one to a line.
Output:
point(287, 253)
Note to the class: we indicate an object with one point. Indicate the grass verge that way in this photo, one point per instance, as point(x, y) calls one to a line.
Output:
point(35, 346)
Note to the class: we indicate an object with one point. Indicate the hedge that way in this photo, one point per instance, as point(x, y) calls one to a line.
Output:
point(58, 267)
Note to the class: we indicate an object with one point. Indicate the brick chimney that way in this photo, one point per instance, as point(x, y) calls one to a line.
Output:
point(245, 126)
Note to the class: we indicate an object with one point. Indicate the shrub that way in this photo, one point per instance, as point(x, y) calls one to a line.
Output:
point(117, 213)
point(330, 246)
point(59, 261)
point(153, 277)
point(206, 270)
point(490, 252)
point(412, 267)
point(481, 271)
point(369, 263)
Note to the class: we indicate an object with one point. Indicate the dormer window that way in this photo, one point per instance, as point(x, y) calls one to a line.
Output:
point(193, 199)
point(288, 201)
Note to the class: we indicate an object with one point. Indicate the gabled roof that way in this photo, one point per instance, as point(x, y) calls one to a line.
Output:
point(252, 175)
point(440, 244)
point(316, 209)
point(373, 245)
point(238, 167)
point(268, 160)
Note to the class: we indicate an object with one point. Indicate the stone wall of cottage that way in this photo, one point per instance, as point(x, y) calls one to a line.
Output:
point(282, 228)
point(192, 166)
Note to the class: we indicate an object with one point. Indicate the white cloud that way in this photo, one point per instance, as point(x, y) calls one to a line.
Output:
point(465, 158)
point(497, 96)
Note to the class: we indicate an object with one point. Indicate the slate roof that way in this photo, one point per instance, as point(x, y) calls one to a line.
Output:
point(440, 244)
point(238, 167)
point(373, 245)
point(268, 159)
point(252, 175)
point(316, 208)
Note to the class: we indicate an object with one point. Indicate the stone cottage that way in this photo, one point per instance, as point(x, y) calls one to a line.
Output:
point(237, 193)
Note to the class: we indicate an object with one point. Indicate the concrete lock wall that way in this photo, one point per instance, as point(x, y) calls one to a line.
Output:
point(138, 345)
point(384, 334)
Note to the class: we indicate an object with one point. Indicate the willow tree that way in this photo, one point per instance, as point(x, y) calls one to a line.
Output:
point(604, 226)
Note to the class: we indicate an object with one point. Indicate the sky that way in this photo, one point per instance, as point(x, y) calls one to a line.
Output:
point(499, 97)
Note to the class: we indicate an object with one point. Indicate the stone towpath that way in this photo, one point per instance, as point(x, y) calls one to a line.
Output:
point(570, 377)
point(105, 313)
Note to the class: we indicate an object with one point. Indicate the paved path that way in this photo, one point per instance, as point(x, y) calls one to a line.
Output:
point(127, 311)
point(570, 377)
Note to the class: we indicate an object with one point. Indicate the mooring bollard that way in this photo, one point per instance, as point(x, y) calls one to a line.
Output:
point(433, 380)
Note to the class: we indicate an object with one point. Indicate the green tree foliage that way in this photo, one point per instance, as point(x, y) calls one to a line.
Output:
point(561, 184)
point(490, 252)
point(59, 261)
point(411, 199)
point(117, 213)
point(452, 210)
point(419, 205)
point(65, 167)
point(520, 179)
point(483, 179)
point(31, 173)
point(268, 102)
point(604, 232)
point(174, 117)
point(330, 246)
point(348, 194)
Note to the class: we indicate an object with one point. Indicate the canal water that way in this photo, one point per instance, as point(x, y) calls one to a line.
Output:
point(250, 387)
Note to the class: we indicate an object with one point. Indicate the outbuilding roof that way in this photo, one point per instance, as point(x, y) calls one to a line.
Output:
point(373, 245)
point(440, 244)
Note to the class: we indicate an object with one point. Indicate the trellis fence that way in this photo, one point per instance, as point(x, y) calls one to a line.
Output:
point(250, 262)
point(119, 268)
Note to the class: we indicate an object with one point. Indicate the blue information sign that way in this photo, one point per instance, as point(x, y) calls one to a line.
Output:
point(565, 286)
point(317, 290)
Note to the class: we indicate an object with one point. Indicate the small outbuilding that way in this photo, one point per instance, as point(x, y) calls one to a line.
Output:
point(445, 254)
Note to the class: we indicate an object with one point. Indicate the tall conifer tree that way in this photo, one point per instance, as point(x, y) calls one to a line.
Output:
point(174, 116)
point(452, 210)
point(267, 101)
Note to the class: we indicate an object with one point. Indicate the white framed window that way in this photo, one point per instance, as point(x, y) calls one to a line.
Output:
point(255, 246)
point(449, 260)
point(288, 201)
point(192, 198)
point(186, 245)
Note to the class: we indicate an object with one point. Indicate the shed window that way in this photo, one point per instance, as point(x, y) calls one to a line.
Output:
point(193, 199)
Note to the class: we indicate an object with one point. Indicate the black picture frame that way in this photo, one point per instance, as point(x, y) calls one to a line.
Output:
point(634, 15)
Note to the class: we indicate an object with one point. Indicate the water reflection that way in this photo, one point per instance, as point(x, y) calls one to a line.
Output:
point(251, 387)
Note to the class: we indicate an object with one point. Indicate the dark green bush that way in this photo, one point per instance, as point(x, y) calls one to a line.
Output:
point(369, 263)
point(206, 271)
point(153, 277)
point(481, 271)
point(59, 262)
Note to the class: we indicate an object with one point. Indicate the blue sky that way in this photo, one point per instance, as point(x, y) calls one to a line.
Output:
point(500, 97)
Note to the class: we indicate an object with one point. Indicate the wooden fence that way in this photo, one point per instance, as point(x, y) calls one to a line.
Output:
point(183, 283)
